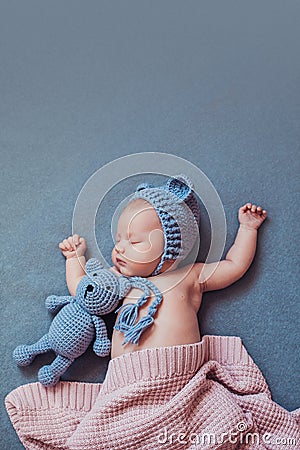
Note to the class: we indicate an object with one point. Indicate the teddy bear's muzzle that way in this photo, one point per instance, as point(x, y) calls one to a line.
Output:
point(89, 288)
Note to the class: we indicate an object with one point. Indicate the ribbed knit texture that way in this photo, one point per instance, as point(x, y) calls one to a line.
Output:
point(178, 211)
point(209, 387)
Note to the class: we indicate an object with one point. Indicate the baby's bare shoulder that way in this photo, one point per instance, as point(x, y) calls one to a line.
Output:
point(182, 278)
point(193, 272)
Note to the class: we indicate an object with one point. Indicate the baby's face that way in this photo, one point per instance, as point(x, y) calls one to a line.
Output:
point(139, 240)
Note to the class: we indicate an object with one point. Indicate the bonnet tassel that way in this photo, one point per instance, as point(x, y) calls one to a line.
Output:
point(133, 334)
point(126, 322)
point(127, 317)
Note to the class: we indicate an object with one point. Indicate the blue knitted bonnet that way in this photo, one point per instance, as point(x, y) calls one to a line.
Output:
point(177, 208)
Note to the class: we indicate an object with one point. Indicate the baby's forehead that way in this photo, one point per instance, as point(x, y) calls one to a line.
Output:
point(139, 212)
point(137, 204)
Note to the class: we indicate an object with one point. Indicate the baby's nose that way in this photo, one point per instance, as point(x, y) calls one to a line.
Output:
point(119, 247)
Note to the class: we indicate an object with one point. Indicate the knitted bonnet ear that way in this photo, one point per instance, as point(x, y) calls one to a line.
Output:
point(183, 188)
point(142, 186)
point(180, 186)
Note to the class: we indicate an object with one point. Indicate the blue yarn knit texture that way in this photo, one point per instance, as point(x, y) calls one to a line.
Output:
point(77, 323)
point(178, 211)
point(126, 322)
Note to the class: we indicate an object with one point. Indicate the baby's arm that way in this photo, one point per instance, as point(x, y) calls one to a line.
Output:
point(73, 248)
point(240, 256)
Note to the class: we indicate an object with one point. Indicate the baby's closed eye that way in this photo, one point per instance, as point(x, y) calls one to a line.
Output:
point(140, 245)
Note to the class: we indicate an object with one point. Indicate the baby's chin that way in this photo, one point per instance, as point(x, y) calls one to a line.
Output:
point(128, 271)
point(132, 269)
point(123, 269)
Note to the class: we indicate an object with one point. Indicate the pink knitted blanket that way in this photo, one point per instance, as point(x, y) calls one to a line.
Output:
point(208, 395)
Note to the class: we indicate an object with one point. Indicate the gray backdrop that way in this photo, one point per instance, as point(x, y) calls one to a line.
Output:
point(215, 82)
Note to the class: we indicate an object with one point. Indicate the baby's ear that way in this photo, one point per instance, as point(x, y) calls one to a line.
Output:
point(93, 265)
point(180, 185)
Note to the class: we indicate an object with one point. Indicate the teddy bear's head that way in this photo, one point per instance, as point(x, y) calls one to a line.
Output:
point(100, 290)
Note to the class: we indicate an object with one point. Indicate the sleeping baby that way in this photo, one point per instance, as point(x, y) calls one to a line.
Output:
point(156, 231)
point(165, 387)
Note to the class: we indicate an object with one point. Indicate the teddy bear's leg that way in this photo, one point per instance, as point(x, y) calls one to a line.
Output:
point(50, 374)
point(25, 354)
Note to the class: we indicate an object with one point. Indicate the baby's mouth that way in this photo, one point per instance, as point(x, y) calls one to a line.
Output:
point(121, 262)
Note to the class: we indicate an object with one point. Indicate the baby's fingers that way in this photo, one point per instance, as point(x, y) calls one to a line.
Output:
point(253, 208)
point(78, 242)
point(260, 211)
point(75, 239)
point(62, 245)
point(72, 244)
point(246, 206)
point(82, 242)
point(68, 244)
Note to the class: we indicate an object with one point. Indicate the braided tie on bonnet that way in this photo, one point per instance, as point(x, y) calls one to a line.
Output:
point(126, 322)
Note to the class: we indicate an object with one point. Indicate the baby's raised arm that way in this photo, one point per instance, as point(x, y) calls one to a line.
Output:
point(73, 248)
point(240, 256)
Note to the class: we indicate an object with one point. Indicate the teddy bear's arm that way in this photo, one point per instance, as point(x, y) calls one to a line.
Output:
point(54, 302)
point(102, 344)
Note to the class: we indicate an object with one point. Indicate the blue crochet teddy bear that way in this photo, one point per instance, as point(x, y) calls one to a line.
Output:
point(78, 322)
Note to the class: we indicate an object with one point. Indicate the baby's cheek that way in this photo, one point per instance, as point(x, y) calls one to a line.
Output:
point(142, 247)
point(139, 250)
point(113, 254)
point(138, 256)
point(156, 237)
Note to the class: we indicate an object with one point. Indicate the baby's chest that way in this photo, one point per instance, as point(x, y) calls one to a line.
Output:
point(175, 323)
point(176, 302)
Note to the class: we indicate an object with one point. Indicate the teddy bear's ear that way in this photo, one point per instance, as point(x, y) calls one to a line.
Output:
point(180, 185)
point(142, 186)
point(93, 266)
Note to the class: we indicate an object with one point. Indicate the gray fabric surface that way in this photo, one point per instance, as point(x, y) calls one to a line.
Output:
point(217, 83)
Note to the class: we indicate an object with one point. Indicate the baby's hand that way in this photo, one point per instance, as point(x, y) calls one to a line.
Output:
point(73, 246)
point(251, 216)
